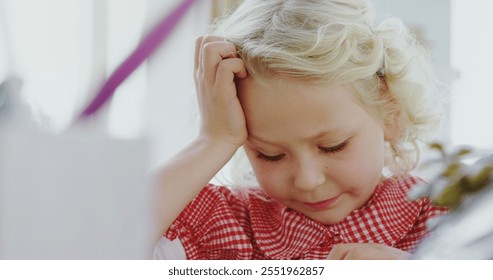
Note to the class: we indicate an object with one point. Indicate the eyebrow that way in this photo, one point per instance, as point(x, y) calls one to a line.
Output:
point(316, 136)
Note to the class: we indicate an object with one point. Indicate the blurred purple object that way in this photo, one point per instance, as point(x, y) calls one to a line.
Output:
point(141, 53)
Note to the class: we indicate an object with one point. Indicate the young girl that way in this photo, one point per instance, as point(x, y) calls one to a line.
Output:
point(321, 101)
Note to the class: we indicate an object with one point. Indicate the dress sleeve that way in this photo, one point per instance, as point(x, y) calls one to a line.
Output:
point(211, 227)
point(420, 229)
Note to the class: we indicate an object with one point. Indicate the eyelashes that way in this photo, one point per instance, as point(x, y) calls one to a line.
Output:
point(334, 149)
point(326, 150)
point(270, 158)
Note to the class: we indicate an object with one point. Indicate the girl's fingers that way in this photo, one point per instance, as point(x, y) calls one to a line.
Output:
point(212, 53)
point(366, 251)
point(228, 69)
point(216, 65)
point(198, 45)
point(211, 38)
point(340, 251)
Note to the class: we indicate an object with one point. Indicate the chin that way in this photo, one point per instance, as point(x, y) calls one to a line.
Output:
point(327, 218)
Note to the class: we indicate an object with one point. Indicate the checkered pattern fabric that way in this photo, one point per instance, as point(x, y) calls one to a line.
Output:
point(223, 223)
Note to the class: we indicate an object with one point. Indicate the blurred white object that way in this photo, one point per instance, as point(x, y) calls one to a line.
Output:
point(465, 233)
point(12, 110)
point(166, 249)
point(73, 195)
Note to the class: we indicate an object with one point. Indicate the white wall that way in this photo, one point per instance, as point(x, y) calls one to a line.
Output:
point(472, 57)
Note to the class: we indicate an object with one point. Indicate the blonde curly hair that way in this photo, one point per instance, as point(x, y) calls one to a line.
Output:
point(335, 41)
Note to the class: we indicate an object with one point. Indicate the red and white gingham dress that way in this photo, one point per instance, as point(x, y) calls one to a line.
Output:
point(223, 223)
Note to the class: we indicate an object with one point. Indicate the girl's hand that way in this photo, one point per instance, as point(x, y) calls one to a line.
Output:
point(216, 66)
point(366, 251)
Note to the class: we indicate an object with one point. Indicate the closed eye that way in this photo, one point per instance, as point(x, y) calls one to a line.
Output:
point(334, 149)
point(325, 150)
point(270, 158)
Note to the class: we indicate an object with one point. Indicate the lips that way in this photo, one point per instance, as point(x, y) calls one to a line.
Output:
point(324, 204)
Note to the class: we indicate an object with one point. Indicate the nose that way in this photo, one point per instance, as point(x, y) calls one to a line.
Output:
point(308, 175)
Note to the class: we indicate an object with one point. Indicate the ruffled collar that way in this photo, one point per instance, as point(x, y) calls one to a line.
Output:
point(282, 233)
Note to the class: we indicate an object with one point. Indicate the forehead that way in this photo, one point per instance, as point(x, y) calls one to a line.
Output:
point(283, 108)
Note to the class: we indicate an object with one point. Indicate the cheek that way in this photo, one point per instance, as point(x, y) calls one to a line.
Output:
point(271, 179)
point(360, 170)
point(369, 161)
